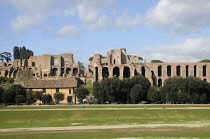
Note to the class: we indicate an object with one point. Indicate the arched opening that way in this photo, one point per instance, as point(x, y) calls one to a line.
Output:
point(54, 72)
point(15, 73)
point(143, 71)
point(68, 71)
point(116, 72)
point(204, 70)
point(114, 61)
point(178, 70)
point(169, 70)
point(159, 82)
point(62, 71)
point(10, 72)
point(126, 72)
point(154, 79)
point(159, 70)
point(75, 72)
point(96, 73)
point(135, 72)
point(105, 72)
point(205, 79)
point(195, 71)
point(187, 71)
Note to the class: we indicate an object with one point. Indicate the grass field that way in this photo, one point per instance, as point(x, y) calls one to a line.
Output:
point(171, 121)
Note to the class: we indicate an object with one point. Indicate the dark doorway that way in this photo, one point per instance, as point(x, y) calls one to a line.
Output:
point(178, 70)
point(169, 70)
point(126, 72)
point(159, 70)
point(116, 72)
point(143, 71)
point(105, 72)
point(75, 72)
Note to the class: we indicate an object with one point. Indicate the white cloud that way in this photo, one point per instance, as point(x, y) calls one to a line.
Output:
point(29, 14)
point(68, 31)
point(180, 16)
point(191, 50)
point(24, 23)
point(125, 21)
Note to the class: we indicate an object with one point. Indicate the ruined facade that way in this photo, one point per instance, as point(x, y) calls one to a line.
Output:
point(118, 64)
point(59, 73)
point(46, 73)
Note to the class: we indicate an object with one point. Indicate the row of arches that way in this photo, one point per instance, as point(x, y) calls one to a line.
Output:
point(67, 71)
point(116, 72)
point(179, 70)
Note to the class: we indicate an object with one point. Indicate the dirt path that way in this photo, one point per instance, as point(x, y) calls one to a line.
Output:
point(197, 125)
point(108, 130)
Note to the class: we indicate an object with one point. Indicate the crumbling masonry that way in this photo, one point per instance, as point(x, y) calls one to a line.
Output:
point(59, 73)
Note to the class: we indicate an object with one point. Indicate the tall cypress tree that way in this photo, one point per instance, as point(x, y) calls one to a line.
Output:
point(16, 52)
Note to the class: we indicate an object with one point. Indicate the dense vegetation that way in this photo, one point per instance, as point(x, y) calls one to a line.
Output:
point(138, 89)
point(22, 53)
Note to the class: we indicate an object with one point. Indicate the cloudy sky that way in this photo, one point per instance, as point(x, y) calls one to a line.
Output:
point(168, 30)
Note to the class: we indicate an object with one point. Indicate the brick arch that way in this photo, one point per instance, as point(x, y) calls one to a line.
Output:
point(75, 71)
point(126, 72)
point(116, 71)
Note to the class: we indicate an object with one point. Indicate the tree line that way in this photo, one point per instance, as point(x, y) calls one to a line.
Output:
point(22, 53)
point(18, 53)
point(138, 89)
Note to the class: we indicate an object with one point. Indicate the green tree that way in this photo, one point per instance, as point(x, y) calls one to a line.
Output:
point(81, 93)
point(69, 99)
point(11, 91)
point(143, 81)
point(47, 98)
point(153, 94)
point(140, 59)
point(20, 99)
point(30, 97)
point(156, 61)
point(137, 93)
point(38, 95)
point(6, 56)
point(16, 52)
point(203, 97)
point(58, 97)
point(2, 57)
point(1, 92)
point(205, 61)
point(91, 58)
point(81, 66)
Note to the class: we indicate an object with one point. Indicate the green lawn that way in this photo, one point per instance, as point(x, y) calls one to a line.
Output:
point(85, 117)
point(60, 118)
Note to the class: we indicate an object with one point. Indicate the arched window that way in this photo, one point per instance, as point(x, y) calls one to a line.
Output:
point(126, 72)
point(159, 70)
point(75, 72)
point(159, 82)
point(178, 70)
point(169, 70)
point(116, 72)
point(143, 71)
point(105, 72)
point(204, 70)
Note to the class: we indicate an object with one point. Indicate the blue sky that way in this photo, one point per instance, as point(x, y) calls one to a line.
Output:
point(169, 30)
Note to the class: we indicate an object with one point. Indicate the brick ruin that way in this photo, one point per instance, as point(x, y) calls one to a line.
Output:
point(59, 73)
